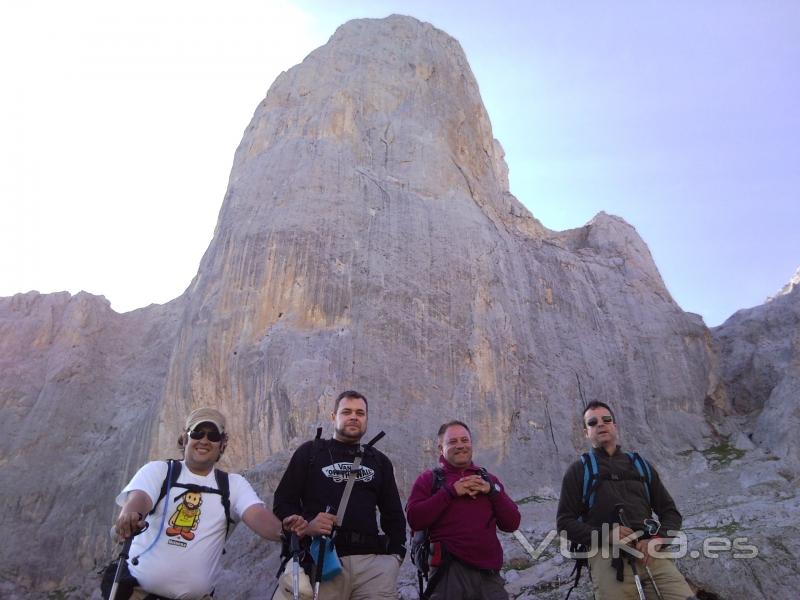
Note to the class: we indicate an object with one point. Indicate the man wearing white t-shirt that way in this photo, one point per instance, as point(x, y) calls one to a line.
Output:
point(177, 557)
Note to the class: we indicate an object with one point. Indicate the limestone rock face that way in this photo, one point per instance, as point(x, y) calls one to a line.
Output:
point(80, 390)
point(760, 355)
point(368, 240)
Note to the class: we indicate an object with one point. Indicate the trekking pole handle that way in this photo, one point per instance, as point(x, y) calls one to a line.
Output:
point(121, 560)
point(620, 510)
point(623, 520)
point(319, 565)
point(294, 544)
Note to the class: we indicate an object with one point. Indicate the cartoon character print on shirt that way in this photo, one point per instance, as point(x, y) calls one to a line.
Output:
point(341, 470)
point(186, 517)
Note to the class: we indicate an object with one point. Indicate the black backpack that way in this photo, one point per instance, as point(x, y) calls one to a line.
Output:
point(223, 489)
point(591, 481)
point(421, 541)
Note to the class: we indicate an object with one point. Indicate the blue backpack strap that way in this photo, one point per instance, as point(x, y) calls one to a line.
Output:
point(591, 477)
point(644, 472)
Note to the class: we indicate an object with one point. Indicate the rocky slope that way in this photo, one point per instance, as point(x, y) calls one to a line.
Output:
point(759, 350)
point(80, 391)
point(368, 240)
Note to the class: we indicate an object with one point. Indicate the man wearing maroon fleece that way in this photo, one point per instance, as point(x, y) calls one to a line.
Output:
point(462, 516)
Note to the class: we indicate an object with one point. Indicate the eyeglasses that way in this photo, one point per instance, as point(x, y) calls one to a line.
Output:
point(198, 434)
point(593, 421)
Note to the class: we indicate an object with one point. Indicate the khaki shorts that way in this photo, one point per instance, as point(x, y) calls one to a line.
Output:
point(670, 582)
point(363, 577)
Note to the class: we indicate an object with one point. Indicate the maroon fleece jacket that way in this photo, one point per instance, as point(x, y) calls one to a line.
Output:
point(466, 526)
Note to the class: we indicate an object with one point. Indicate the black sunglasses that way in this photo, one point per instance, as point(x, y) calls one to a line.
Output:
point(198, 434)
point(593, 421)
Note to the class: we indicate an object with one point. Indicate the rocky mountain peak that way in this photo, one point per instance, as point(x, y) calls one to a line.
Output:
point(368, 240)
point(789, 288)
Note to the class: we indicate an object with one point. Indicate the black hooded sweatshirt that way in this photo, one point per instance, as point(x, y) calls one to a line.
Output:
point(309, 487)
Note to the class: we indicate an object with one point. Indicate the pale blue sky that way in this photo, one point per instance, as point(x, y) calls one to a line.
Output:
point(681, 117)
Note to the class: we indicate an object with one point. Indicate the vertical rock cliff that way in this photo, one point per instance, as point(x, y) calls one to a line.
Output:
point(368, 240)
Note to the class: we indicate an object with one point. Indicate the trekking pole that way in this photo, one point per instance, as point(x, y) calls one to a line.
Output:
point(121, 560)
point(651, 527)
point(323, 540)
point(294, 544)
point(320, 560)
point(631, 559)
point(653, 582)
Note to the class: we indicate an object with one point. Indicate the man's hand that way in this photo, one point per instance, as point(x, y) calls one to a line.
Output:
point(622, 535)
point(131, 517)
point(481, 486)
point(471, 486)
point(322, 524)
point(295, 524)
point(648, 547)
point(128, 523)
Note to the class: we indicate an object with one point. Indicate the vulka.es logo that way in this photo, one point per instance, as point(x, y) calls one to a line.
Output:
point(604, 542)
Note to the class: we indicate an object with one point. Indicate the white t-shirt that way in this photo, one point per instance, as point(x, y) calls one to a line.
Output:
point(184, 561)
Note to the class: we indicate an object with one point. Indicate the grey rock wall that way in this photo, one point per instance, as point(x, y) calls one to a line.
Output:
point(80, 390)
point(368, 240)
point(760, 355)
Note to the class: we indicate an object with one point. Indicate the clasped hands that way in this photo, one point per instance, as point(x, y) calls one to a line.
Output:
point(471, 486)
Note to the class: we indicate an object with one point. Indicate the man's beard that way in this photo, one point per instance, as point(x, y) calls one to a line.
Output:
point(342, 433)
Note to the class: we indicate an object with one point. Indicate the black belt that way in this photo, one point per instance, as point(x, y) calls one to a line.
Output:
point(474, 568)
point(157, 597)
point(353, 542)
point(359, 539)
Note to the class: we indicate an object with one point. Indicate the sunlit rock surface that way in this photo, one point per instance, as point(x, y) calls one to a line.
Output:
point(368, 240)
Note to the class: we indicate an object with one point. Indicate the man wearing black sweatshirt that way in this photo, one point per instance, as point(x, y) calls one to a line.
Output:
point(313, 485)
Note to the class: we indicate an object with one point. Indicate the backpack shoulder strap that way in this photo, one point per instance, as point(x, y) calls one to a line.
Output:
point(318, 445)
point(438, 480)
point(173, 473)
point(224, 487)
point(643, 468)
point(591, 479)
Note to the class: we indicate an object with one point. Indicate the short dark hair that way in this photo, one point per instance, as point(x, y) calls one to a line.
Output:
point(594, 404)
point(444, 427)
point(350, 394)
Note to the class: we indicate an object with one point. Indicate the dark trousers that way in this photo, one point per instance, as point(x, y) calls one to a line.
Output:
point(461, 582)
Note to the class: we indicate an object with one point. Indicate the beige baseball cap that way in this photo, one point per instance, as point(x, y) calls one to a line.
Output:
point(206, 415)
